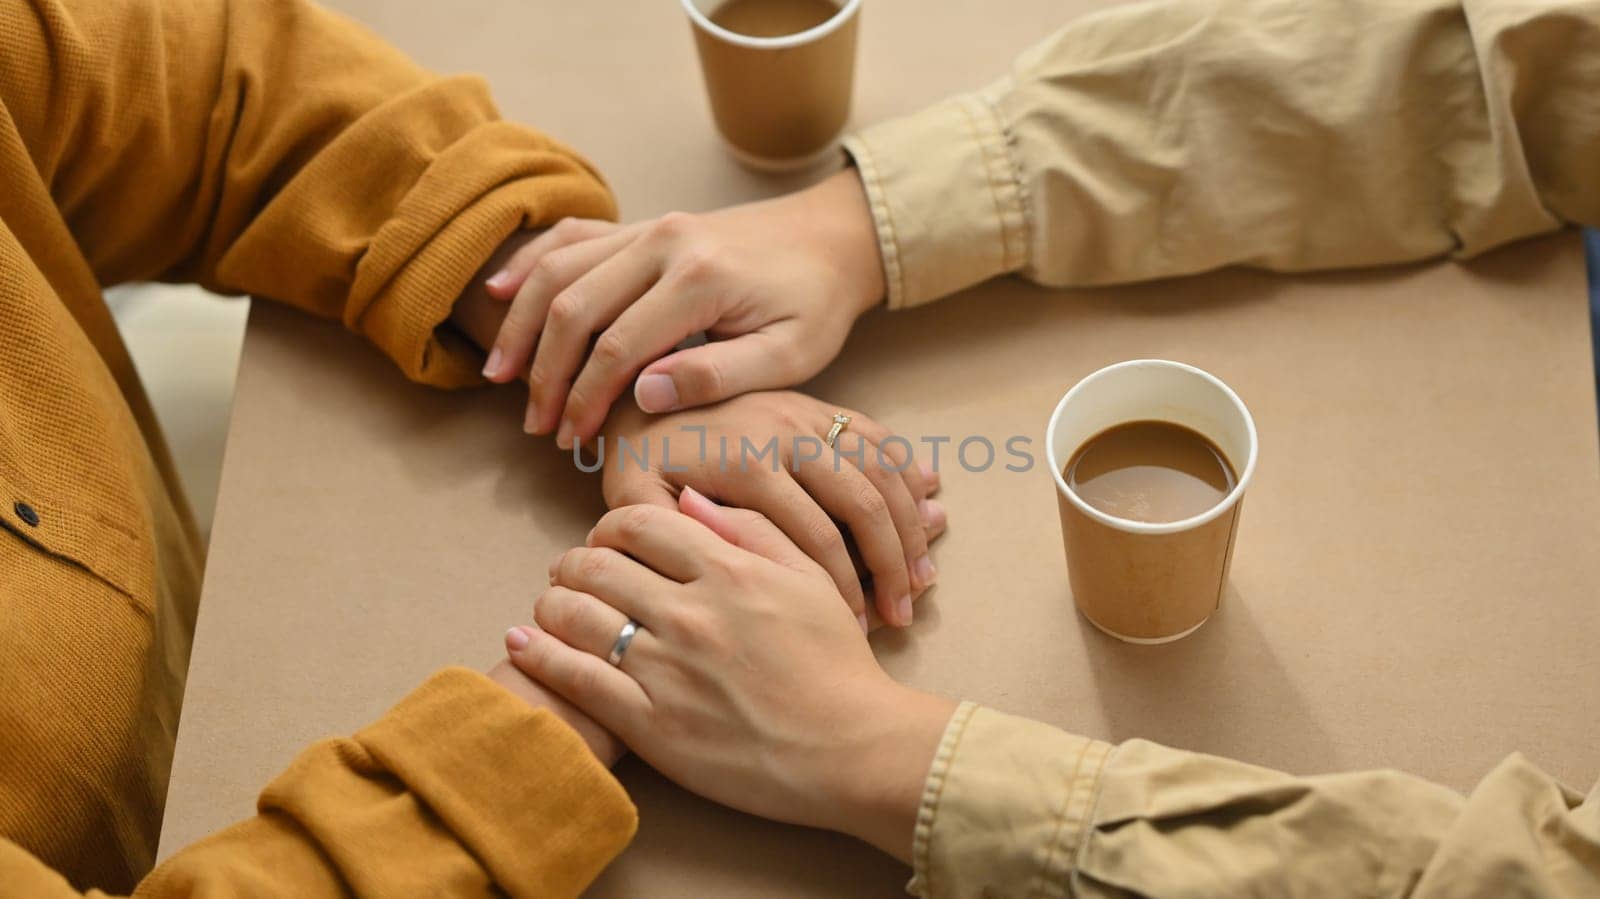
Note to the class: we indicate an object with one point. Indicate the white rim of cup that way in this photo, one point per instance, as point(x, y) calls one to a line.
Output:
point(816, 32)
point(1146, 527)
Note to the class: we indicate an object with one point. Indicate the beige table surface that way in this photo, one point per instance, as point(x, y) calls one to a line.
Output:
point(1416, 571)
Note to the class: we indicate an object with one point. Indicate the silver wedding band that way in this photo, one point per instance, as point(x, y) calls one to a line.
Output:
point(624, 637)
point(840, 422)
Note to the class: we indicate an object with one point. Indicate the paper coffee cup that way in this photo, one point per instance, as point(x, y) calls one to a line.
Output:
point(779, 102)
point(1139, 581)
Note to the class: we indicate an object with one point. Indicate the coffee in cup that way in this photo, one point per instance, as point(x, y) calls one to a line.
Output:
point(779, 74)
point(1151, 459)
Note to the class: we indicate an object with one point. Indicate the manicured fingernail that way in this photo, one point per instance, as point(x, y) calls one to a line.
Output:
point(517, 639)
point(862, 620)
point(530, 421)
point(492, 367)
point(924, 571)
point(902, 611)
point(656, 393)
point(564, 435)
point(932, 512)
point(499, 279)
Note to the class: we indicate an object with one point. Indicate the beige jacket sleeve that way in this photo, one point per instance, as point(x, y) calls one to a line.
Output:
point(1016, 808)
point(1174, 137)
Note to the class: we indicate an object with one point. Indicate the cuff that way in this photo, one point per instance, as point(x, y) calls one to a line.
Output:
point(946, 197)
point(1005, 807)
point(495, 179)
point(522, 791)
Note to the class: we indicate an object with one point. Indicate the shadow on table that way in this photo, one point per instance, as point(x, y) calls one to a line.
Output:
point(1181, 693)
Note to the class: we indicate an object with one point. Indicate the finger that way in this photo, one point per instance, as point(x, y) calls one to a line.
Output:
point(674, 308)
point(587, 305)
point(619, 581)
point(584, 621)
point(847, 495)
point(507, 280)
point(744, 528)
point(866, 458)
point(934, 520)
point(600, 690)
point(716, 371)
point(673, 545)
point(776, 495)
point(897, 454)
point(552, 272)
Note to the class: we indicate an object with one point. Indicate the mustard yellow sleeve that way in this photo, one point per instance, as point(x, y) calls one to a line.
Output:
point(1017, 808)
point(278, 149)
point(1166, 138)
point(459, 790)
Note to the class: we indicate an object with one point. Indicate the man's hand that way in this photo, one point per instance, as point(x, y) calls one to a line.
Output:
point(607, 748)
point(766, 452)
point(775, 284)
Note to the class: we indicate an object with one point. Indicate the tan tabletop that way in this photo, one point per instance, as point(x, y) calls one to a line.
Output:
point(1415, 578)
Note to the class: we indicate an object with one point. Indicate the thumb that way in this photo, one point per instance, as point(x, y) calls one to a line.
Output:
point(713, 372)
point(743, 528)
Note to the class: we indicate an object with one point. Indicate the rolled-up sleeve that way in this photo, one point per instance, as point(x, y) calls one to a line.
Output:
point(1175, 137)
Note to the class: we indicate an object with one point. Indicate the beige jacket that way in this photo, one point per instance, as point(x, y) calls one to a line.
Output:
point(1170, 138)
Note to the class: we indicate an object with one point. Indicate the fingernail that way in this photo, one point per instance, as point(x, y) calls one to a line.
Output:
point(924, 571)
point(588, 539)
point(517, 639)
point(932, 512)
point(492, 367)
point(499, 279)
point(902, 611)
point(656, 393)
point(564, 435)
point(928, 472)
point(530, 421)
point(862, 620)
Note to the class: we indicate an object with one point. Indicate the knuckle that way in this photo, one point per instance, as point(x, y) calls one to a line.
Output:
point(594, 563)
point(568, 229)
point(633, 521)
point(825, 537)
point(697, 262)
point(705, 378)
point(870, 503)
point(538, 375)
point(548, 268)
point(610, 350)
point(674, 225)
point(565, 309)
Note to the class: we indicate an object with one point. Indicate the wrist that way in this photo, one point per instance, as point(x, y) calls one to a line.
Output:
point(879, 791)
point(847, 235)
point(475, 313)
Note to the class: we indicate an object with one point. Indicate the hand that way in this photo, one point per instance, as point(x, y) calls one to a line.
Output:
point(607, 748)
point(775, 284)
point(747, 681)
point(799, 484)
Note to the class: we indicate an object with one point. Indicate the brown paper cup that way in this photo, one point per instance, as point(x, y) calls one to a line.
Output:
point(1138, 581)
point(780, 102)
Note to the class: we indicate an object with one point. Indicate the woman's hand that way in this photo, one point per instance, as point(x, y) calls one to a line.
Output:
point(747, 682)
point(775, 284)
point(766, 452)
